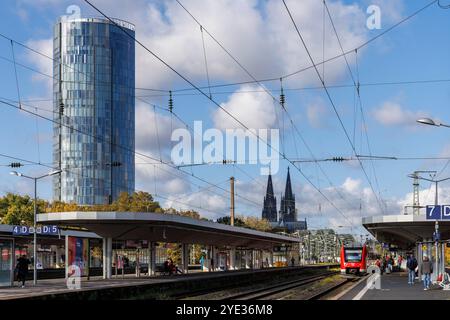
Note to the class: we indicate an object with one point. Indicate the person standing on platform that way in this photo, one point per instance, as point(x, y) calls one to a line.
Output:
point(399, 263)
point(426, 269)
point(202, 261)
point(411, 265)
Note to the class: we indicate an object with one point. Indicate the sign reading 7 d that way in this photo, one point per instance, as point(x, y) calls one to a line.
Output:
point(438, 212)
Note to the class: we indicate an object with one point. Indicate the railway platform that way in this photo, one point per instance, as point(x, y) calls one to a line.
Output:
point(395, 286)
point(154, 287)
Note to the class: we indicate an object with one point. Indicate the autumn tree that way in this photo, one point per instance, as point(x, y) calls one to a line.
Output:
point(256, 223)
point(17, 210)
point(247, 222)
point(136, 202)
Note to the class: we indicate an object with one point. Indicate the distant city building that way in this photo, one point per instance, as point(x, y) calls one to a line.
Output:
point(323, 245)
point(270, 203)
point(94, 110)
point(286, 221)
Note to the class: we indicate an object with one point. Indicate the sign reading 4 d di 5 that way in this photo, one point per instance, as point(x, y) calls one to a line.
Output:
point(438, 212)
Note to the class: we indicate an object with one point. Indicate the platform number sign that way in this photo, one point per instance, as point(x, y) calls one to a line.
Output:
point(438, 212)
point(25, 230)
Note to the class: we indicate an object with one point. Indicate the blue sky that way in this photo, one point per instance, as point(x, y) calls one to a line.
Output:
point(261, 36)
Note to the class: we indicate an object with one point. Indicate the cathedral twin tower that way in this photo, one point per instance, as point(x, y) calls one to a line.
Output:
point(287, 209)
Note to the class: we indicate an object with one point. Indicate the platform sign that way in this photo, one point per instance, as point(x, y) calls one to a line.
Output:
point(26, 230)
point(446, 212)
point(434, 212)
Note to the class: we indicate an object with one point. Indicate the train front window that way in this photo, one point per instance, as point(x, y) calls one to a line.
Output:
point(353, 255)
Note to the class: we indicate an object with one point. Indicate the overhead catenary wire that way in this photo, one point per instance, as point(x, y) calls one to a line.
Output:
point(272, 79)
point(362, 45)
point(166, 93)
point(331, 100)
point(116, 145)
point(281, 101)
point(357, 89)
point(155, 195)
point(206, 61)
point(212, 100)
point(443, 6)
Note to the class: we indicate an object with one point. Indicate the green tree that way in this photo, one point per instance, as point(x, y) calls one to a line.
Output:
point(238, 222)
point(16, 209)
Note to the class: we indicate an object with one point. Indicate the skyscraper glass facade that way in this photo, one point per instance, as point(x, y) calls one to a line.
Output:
point(94, 110)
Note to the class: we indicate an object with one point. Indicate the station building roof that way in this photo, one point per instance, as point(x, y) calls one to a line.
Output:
point(165, 228)
point(405, 231)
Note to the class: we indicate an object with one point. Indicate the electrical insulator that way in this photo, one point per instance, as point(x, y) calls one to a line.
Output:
point(15, 165)
point(282, 98)
point(61, 108)
point(338, 159)
point(170, 102)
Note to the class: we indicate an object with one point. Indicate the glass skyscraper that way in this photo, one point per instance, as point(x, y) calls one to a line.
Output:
point(94, 110)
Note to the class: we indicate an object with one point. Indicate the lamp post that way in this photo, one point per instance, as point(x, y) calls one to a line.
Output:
point(431, 122)
point(35, 179)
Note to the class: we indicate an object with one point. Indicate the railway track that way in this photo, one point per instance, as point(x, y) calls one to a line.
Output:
point(278, 288)
point(333, 288)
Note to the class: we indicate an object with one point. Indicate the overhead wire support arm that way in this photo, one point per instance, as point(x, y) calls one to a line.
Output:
point(15, 73)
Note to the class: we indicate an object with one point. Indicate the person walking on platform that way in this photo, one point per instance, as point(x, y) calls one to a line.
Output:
point(411, 265)
point(22, 269)
point(426, 269)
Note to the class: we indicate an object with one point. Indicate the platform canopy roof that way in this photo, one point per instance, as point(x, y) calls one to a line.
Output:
point(404, 231)
point(165, 228)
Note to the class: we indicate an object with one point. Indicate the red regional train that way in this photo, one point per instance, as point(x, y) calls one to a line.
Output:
point(354, 259)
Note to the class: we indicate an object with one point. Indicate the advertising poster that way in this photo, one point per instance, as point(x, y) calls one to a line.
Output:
point(447, 255)
point(78, 253)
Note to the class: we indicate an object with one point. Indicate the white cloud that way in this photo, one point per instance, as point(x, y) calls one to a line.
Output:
point(43, 64)
point(153, 130)
point(159, 179)
point(426, 196)
point(259, 35)
point(253, 109)
point(394, 114)
point(209, 205)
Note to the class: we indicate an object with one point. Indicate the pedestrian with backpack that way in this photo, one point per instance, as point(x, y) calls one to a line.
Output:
point(411, 265)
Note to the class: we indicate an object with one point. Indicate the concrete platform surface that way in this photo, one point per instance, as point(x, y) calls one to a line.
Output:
point(395, 287)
